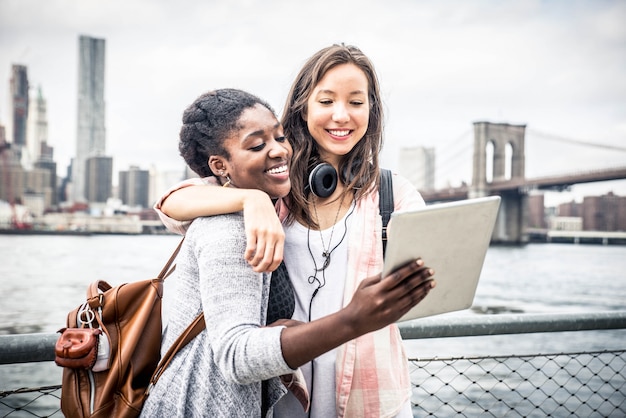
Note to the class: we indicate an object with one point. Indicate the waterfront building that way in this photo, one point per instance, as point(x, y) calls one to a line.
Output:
point(19, 186)
point(597, 213)
point(87, 223)
point(48, 165)
point(417, 164)
point(90, 134)
point(99, 177)
point(604, 213)
point(134, 187)
point(566, 223)
point(536, 211)
point(570, 209)
point(12, 177)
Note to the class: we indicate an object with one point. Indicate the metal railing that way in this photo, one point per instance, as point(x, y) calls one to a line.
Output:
point(577, 383)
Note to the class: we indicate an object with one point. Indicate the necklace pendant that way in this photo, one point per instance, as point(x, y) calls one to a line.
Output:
point(325, 254)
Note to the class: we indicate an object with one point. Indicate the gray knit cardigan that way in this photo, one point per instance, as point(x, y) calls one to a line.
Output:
point(219, 373)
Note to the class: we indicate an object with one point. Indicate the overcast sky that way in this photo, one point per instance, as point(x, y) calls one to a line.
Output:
point(557, 66)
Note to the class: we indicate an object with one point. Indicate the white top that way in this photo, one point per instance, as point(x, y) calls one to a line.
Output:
point(329, 297)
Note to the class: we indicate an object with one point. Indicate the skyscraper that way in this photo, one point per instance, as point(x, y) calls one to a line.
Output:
point(38, 127)
point(99, 179)
point(90, 135)
point(18, 103)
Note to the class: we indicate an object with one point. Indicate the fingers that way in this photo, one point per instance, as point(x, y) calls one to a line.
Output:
point(423, 278)
point(251, 246)
point(397, 277)
point(401, 273)
point(278, 255)
point(264, 249)
point(407, 286)
point(264, 233)
point(381, 301)
point(414, 289)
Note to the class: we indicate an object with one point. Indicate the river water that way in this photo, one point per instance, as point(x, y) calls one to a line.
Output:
point(44, 277)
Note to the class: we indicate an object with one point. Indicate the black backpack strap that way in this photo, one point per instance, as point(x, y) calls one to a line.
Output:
point(386, 201)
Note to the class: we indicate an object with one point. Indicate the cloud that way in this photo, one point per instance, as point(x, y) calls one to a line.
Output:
point(556, 66)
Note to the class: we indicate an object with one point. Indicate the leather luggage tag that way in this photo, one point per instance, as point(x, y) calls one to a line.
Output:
point(77, 348)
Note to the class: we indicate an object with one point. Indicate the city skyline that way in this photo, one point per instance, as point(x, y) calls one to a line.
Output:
point(555, 66)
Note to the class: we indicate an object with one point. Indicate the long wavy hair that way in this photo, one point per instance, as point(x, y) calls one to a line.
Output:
point(305, 150)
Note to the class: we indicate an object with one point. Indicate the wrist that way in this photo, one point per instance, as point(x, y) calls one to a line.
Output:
point(349, 324)
point(254, 197)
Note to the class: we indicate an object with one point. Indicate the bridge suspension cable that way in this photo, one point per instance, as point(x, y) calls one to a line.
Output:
point(458, 157)
point(575, 141)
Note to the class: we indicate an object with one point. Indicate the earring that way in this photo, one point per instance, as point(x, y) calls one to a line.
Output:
point(221, 174)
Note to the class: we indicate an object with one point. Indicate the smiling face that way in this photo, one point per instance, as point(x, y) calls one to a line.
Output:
point(259, 154)
point(338, 111)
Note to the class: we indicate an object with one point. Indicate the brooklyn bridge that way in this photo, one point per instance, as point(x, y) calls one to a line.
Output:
point(498, 168)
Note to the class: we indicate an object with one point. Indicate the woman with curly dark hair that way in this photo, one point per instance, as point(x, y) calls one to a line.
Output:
point(234, 366)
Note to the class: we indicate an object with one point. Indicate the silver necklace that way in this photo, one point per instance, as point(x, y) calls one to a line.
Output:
point(327, 251)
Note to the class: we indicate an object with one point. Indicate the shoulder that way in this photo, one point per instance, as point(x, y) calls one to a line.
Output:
point(227, 220)
point(216, 228)
point(406, 196)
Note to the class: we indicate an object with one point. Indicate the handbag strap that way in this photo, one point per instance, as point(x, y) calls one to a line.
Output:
point(166, 270)
point(97, 287)
point(386, 202)
point(189, 334)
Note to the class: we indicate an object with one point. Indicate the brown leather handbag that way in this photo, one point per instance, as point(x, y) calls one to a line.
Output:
point(126, 330)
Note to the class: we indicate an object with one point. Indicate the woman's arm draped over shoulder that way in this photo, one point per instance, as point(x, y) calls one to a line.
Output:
point(177, 225)
point(195, 197)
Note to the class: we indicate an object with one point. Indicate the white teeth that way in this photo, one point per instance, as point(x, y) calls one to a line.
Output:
point(278, 170)
point(339, 133)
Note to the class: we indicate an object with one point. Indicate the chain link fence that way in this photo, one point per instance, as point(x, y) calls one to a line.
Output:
point(584, 384)
point(40, 402)
point(564, 384)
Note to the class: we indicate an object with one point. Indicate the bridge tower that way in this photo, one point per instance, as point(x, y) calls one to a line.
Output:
point(499, 157)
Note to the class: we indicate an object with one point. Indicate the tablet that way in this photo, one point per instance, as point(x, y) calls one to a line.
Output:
point(452, 238)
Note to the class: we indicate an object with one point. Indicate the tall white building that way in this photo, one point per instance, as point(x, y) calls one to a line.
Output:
point(90, 134)
point(417, 164)
point(37, 128)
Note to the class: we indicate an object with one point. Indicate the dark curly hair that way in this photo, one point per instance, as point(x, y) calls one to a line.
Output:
point(209, 121)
